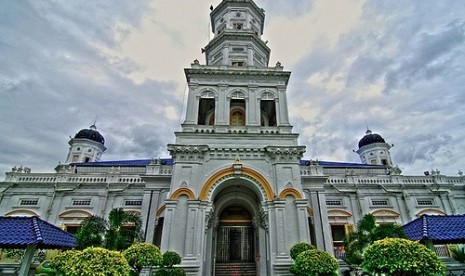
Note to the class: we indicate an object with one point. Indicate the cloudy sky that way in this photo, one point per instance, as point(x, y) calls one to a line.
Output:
point(397, 67)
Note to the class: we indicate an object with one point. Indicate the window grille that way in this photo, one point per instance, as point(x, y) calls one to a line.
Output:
point(425, 202)
point(379, 202)
point(82, 202)
point(29, 202)
point(133, 202)
point(334, 202)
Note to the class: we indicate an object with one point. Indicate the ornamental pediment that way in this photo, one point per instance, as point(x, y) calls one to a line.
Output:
point(194, 153)
point(285, 154)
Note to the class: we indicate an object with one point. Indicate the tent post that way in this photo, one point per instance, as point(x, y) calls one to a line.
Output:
point(27, 260)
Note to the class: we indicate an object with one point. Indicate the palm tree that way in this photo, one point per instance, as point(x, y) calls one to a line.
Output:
point(124, 229)
point(91, 232)
point(368, 232)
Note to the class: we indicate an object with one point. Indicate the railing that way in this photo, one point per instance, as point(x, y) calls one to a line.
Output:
point(339, 250)
point(442, 250)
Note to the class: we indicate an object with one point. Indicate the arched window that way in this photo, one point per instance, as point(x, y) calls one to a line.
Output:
point(237, 109)
point(237, 118)
point(267, 110)
point(206, 115)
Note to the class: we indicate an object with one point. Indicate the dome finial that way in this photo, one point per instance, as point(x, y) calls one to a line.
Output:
point(368, 129)
point(94, 125)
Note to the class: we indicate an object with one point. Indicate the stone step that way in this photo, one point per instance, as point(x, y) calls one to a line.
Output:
point(235, 269)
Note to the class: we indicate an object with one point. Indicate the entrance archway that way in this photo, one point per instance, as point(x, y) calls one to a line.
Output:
point(237, 236)
point(235, 242)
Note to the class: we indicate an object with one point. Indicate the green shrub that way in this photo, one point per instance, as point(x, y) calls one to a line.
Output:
point(171, 258)
point(395, 256)
point(315, 263)
point(92, 261)
point(299, 248)
point(177, 271)
point(63, 261)
point(143, 254)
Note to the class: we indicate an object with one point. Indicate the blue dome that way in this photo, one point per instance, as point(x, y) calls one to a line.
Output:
point(370, 138)
point(91, 134)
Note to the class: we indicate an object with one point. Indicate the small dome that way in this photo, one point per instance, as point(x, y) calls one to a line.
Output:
point(370, 138)
point(92, 134)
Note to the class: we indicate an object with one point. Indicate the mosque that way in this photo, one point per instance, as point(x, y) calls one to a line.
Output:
point(235, 189)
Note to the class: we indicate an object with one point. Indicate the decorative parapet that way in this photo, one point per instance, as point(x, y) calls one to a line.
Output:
point(188, 153)
point(279, 154)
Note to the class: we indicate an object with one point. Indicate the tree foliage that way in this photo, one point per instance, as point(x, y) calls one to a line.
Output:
point(92, 261)
point(458, 253)
point(91, 232)
point(396, 256)
point(367, 233)
point(298, 248)
point(140, 255)
point(314, 262)
point(170, 259)
point(124, 229)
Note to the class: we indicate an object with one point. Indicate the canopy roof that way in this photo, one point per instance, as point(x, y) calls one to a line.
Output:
point(21, 232)
point(439, 229)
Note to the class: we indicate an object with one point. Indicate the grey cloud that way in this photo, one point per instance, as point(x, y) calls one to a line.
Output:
point(425, 147)
point(429, 52)
point(288, 8)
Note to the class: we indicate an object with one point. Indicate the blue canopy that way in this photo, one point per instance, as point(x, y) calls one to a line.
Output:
point(21, 232)
point(436, 228)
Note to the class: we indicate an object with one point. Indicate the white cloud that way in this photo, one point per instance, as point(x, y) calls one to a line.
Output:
point(396, 66)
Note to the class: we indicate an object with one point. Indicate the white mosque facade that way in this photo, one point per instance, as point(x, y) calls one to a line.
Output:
point(235, 188)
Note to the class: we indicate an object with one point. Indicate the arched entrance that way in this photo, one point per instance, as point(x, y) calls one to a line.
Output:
point(237, 236)
point(235, 242)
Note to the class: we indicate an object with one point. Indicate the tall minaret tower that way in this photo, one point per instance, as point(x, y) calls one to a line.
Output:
point(236, 91)
point(236, 168)
point(86, 146)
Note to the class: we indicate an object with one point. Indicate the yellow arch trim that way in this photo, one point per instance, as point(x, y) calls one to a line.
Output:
point(392, 213)
point(244, 171)
point(339, 213)
point(78, 211)
point(183, 191)
point(310, 212)
point(290, 191)
point(21, 211)
point(431, 210)
point(160, 210)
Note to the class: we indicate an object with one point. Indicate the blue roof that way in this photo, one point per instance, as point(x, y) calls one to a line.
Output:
point(439, 229)
point(169, 161)
point(20, 232)
point(332, 164)
point(125, 163)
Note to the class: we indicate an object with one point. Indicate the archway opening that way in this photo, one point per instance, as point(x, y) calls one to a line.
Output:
point(235, 236)
point(236, 241)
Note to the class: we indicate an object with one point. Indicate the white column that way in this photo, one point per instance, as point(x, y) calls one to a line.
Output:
point(283, 111)
point(222, 109)
point(192, 105)
point(304, 231)
point(250, 56)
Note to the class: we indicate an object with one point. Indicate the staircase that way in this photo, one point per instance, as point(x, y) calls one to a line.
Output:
point(235, 269)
